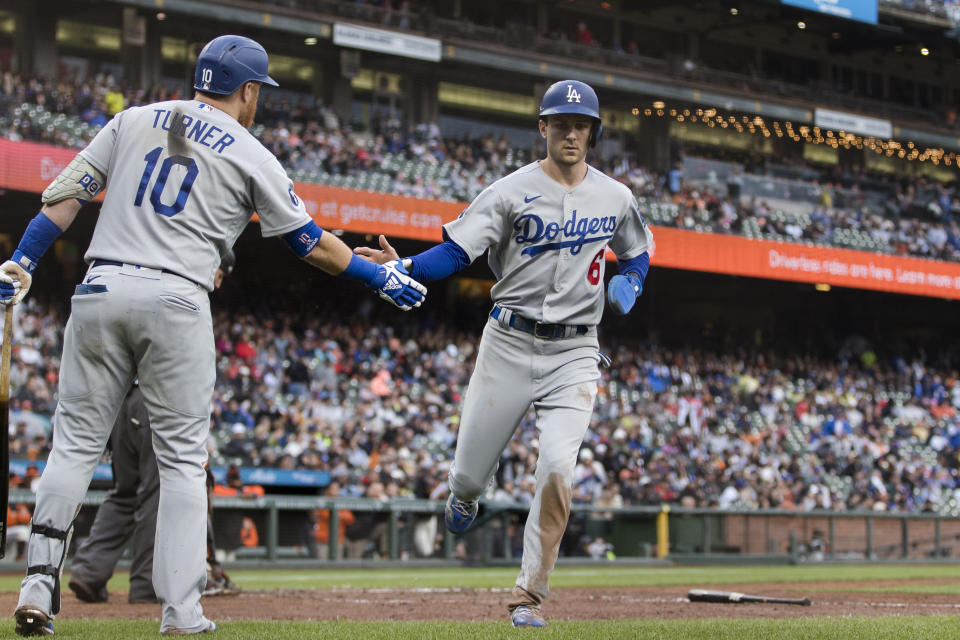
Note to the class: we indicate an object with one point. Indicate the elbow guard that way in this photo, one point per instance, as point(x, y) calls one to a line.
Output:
point(79, 179)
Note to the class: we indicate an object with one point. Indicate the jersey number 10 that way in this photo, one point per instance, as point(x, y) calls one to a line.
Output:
point(185, 186)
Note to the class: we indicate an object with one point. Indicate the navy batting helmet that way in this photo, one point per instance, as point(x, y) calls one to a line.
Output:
point(229, 61)
point(572, 96)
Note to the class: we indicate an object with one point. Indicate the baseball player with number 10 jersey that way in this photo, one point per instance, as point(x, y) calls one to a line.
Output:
point(545, 227)
point(185, 177)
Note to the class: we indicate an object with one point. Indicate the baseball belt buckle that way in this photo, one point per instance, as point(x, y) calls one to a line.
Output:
point(540, 330)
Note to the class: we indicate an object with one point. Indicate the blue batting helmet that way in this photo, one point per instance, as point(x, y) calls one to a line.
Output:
point(572, 96)
point(229, 61)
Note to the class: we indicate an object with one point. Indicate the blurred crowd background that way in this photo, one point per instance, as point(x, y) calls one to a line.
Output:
point(377, 401)
point(860, 421)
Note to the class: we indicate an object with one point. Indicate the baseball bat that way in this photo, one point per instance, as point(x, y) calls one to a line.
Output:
point(5, 422)
point(705, 595)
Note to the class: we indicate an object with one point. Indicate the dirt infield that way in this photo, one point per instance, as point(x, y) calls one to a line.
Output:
point(665, 603)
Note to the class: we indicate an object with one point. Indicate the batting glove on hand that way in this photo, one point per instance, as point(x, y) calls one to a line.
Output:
point(623, 291)
point(14, 282)
point(395, 285)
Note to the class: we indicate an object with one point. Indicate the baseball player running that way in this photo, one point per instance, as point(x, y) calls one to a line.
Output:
point(185, 177)
point(546, 227)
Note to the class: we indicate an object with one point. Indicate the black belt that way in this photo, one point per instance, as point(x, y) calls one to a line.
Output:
point(538, 329)
point(116, 263)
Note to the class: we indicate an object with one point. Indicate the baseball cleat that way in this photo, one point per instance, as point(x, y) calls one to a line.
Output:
point(31, 621)
point(459, 514)
point(86, 593)
point(143, 599)
point(527, 616)
point(213, 588)
point(230, 588)
point(210, 627)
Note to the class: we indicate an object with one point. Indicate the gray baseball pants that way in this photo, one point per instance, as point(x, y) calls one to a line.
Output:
point(128, 516)
point(559, 377)
point(129, 322)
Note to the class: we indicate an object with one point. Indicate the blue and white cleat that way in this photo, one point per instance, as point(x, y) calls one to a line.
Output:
point(458, 514)
point(32, 621)
point(527, 616)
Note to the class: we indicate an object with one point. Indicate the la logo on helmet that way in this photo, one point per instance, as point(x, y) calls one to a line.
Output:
point(572, 94)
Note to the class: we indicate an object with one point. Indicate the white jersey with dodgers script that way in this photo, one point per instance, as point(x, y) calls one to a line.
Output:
point(547, 243)
point(183, 180)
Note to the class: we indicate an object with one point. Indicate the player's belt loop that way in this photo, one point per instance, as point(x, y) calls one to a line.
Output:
point(504, 316)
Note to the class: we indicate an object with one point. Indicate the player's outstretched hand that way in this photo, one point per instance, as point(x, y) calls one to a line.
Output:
point(623, 291)
point(395, 285)
point(14, 282)
point(383, 255)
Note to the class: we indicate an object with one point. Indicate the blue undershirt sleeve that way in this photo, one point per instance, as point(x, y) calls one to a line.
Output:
point(438, 262)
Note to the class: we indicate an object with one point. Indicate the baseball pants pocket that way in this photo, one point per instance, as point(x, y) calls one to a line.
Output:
point(83, 349)
point(179, 302)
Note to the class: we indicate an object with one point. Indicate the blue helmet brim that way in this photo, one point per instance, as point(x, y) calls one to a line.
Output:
point(571, 108)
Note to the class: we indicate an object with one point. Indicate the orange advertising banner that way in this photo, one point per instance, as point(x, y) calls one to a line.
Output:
point(371, 212)
point(741, 256)
point(26, 166)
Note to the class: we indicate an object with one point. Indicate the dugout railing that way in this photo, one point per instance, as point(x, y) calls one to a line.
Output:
point(648, 533)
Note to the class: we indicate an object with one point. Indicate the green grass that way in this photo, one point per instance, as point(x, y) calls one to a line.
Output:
point(893, 628)
point(593, 576)
point(813, 628)
point(590, 576)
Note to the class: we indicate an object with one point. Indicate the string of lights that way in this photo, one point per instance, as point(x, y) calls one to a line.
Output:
point(757, 125)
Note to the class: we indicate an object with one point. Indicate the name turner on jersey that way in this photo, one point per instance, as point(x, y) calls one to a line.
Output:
point(198, 129)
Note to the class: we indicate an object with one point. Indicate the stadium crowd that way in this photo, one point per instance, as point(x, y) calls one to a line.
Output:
point(376, 403)
point(902, 216)
point(371, 404)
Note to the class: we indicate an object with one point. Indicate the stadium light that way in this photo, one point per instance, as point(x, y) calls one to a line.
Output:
point(310, 41)
point(801, 25)
point(924, 51)
point(822, 287)
point(734, 11)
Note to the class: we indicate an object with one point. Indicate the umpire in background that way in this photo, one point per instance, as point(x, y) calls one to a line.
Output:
point(129, 514)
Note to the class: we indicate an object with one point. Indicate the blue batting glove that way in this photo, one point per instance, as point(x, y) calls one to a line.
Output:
point(623, 291)
point(395, 285)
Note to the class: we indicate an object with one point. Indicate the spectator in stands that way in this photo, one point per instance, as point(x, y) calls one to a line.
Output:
point(321, 529)
point(675, 179)
point(584, 35)
point(368, 533)
point(114, 101)
point(248, 532)
point(232, 530)
point(18, 529)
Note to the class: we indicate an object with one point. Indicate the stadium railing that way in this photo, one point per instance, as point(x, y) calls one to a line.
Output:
point(633, 533)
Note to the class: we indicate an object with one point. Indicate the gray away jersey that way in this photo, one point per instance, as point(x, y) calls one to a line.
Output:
point(180, 189)
point(547, 243)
